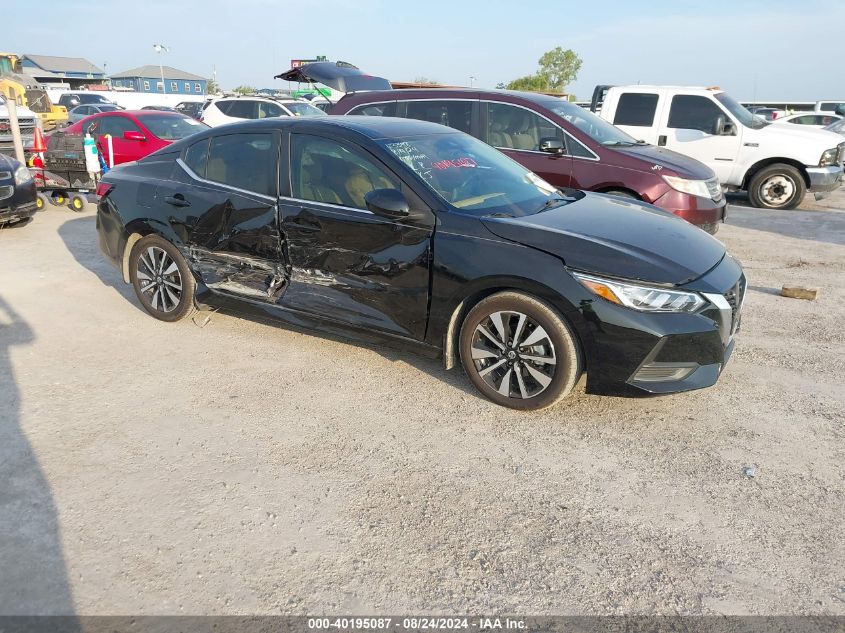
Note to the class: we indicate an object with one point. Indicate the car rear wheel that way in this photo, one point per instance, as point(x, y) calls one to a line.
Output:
point(777, 187)
point(519, 352)
point(161, 278)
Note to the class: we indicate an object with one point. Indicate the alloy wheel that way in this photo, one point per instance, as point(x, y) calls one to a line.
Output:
point(513, 354)
point(159, 279)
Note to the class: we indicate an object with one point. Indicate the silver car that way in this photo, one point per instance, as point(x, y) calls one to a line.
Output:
point(85, 110)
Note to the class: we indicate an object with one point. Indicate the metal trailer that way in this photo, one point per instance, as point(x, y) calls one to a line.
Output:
point(64, 179)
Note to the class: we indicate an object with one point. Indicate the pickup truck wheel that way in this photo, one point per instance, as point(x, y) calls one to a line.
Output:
point(777, 186)
point(519, 352)
point(161, 277)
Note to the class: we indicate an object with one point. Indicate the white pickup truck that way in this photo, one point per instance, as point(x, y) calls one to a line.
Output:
point(27, 122)
point(776, 164)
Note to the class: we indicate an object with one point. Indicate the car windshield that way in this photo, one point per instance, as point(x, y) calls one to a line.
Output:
point(473, 177)
point(169, 127)
point(304, 109)
point(740, 113)
point(593, 126)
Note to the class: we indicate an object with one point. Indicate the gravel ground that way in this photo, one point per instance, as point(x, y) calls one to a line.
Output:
point(246, 468)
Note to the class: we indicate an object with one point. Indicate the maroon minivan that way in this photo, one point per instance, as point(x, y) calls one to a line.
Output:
point(563, 143)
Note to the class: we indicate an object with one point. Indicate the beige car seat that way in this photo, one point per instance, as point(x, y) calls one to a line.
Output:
point(313, 182)
point(498, 136)
point(523, 133)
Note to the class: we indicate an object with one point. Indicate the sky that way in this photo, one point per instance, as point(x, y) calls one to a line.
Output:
point(756, 50)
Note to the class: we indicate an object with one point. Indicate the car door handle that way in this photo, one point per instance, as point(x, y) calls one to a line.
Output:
point(661, 140)
point(177, 201)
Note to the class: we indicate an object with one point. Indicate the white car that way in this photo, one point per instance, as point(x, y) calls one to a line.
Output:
point(809, 119)
point(775, 164)
point(232, 109)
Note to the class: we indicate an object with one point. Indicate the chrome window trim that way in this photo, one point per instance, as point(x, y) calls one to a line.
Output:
point(367, 105)
point(331, 205)
point(193, 175)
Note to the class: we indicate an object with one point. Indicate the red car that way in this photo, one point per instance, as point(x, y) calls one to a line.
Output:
point(135, 133)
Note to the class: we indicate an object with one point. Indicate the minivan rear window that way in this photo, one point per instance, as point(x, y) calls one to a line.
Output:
point(636, 108)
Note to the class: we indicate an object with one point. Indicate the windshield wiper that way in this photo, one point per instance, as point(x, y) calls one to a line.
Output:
point(548, 204)
point(620, 143)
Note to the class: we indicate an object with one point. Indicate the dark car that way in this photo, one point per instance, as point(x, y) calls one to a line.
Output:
point(72, 99)
point(563, 143)
point(419, 235)
point(17, 192)
point(192, 109)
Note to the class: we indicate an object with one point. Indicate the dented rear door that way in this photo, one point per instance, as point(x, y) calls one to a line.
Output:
point(223, 198)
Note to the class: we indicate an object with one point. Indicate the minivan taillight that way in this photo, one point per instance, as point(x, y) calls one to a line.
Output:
point(103, 188)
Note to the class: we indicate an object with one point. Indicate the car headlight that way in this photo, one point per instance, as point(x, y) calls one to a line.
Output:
point(829, 157)
point(22, 175)
point(692, 187)
point(639, 297)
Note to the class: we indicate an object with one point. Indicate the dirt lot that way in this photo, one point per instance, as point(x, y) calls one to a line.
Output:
point(242, 467)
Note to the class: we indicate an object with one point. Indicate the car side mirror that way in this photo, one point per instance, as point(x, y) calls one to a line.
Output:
point(723, 127)
point(552, 146)
point(133, 135)
point(388, 203)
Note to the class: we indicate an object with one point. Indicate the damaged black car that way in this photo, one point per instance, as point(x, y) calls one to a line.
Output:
point(413, 233)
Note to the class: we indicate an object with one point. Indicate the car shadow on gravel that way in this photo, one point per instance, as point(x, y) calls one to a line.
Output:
point(80, 237)
point(32, 566)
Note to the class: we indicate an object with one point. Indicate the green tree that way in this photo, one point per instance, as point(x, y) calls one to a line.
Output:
point(560, 68)
point(530, 83)
point(211, 87)
point(426, 81)
point(244, 90)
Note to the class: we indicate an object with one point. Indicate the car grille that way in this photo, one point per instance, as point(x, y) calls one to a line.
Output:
point(735, 296)
point(27, 127)
point(714, 188)
point(6, 191)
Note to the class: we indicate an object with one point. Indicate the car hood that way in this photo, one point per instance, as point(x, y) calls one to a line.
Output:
point(340, 76)
point(660, 159)
point(616, 237)
point(800, 135)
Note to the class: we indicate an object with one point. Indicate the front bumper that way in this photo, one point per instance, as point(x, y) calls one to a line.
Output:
point(20, 204)
point(694, 209)
point(823, 179)
point(666, 352)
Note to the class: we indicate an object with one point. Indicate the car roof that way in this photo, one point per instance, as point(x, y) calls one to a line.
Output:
point(446, 93)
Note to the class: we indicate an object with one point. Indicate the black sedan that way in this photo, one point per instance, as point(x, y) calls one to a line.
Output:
point(416, 234)
point(18, 201)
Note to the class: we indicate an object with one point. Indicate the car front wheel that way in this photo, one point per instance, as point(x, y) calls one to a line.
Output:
point(161, 278)
point(519, 352)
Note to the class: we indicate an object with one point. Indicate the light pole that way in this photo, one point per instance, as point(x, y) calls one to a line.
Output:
point(471, 80)
point(161, 48)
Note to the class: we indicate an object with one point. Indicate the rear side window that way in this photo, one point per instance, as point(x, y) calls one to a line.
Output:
point(244, 161)
point(375, 109)
point(456, 114)
point(636, 108)
point(242, 109)
point(691, 112)
point(197, 157)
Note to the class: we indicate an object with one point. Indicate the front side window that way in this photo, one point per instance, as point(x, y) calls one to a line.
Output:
point(266, 109)
point(243, 161)
point(197, 157)
point(114, 125)
point(473, 177)
point(170, 128)
point(512, 127)
point(375, 109)
point(636, 108)
point(456, 114)
point(691, 112)
point(304, 109)
point(324, 170)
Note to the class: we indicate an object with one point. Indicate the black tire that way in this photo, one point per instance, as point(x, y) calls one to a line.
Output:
point(159, 294)
point(77, 203)
point(622, 194)
point(777, 186)
point(58, 199)
point(489, 364)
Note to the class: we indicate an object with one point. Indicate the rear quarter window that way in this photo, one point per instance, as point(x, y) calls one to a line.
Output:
point(636, 108)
